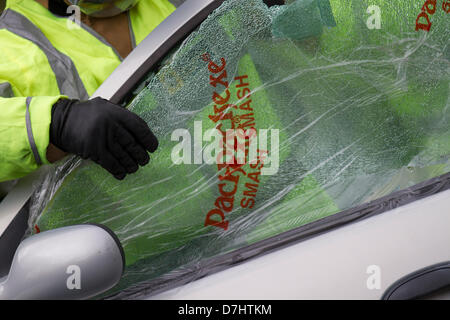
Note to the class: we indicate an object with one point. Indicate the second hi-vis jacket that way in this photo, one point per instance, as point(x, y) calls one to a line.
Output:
point(44, 57)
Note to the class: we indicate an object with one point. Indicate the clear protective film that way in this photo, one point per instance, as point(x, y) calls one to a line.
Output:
point(270, 119)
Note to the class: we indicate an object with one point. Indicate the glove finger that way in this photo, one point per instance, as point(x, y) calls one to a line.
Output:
point(112, 165)
point(140, 130)
point(134, 150)
point(129, 163)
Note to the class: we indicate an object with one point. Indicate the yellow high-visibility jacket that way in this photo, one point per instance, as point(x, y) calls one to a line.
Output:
point(44, 57)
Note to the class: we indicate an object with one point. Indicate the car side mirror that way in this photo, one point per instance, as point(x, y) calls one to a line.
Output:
point(77, 262)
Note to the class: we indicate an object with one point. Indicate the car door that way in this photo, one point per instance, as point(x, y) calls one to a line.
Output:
point(338, 108)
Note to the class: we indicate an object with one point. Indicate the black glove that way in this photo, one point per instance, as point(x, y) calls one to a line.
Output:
point(101, 131)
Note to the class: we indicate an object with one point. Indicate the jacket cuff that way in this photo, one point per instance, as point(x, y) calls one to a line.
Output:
point(39, 118)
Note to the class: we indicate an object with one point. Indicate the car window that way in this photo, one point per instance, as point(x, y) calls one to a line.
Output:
point(270, 119)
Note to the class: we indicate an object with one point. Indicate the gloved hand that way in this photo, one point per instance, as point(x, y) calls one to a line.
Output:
point(103, 132)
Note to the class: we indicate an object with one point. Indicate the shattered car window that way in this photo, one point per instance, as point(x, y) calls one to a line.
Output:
point(269, 119)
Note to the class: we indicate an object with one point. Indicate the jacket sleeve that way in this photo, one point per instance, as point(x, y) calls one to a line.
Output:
point(24, 132)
